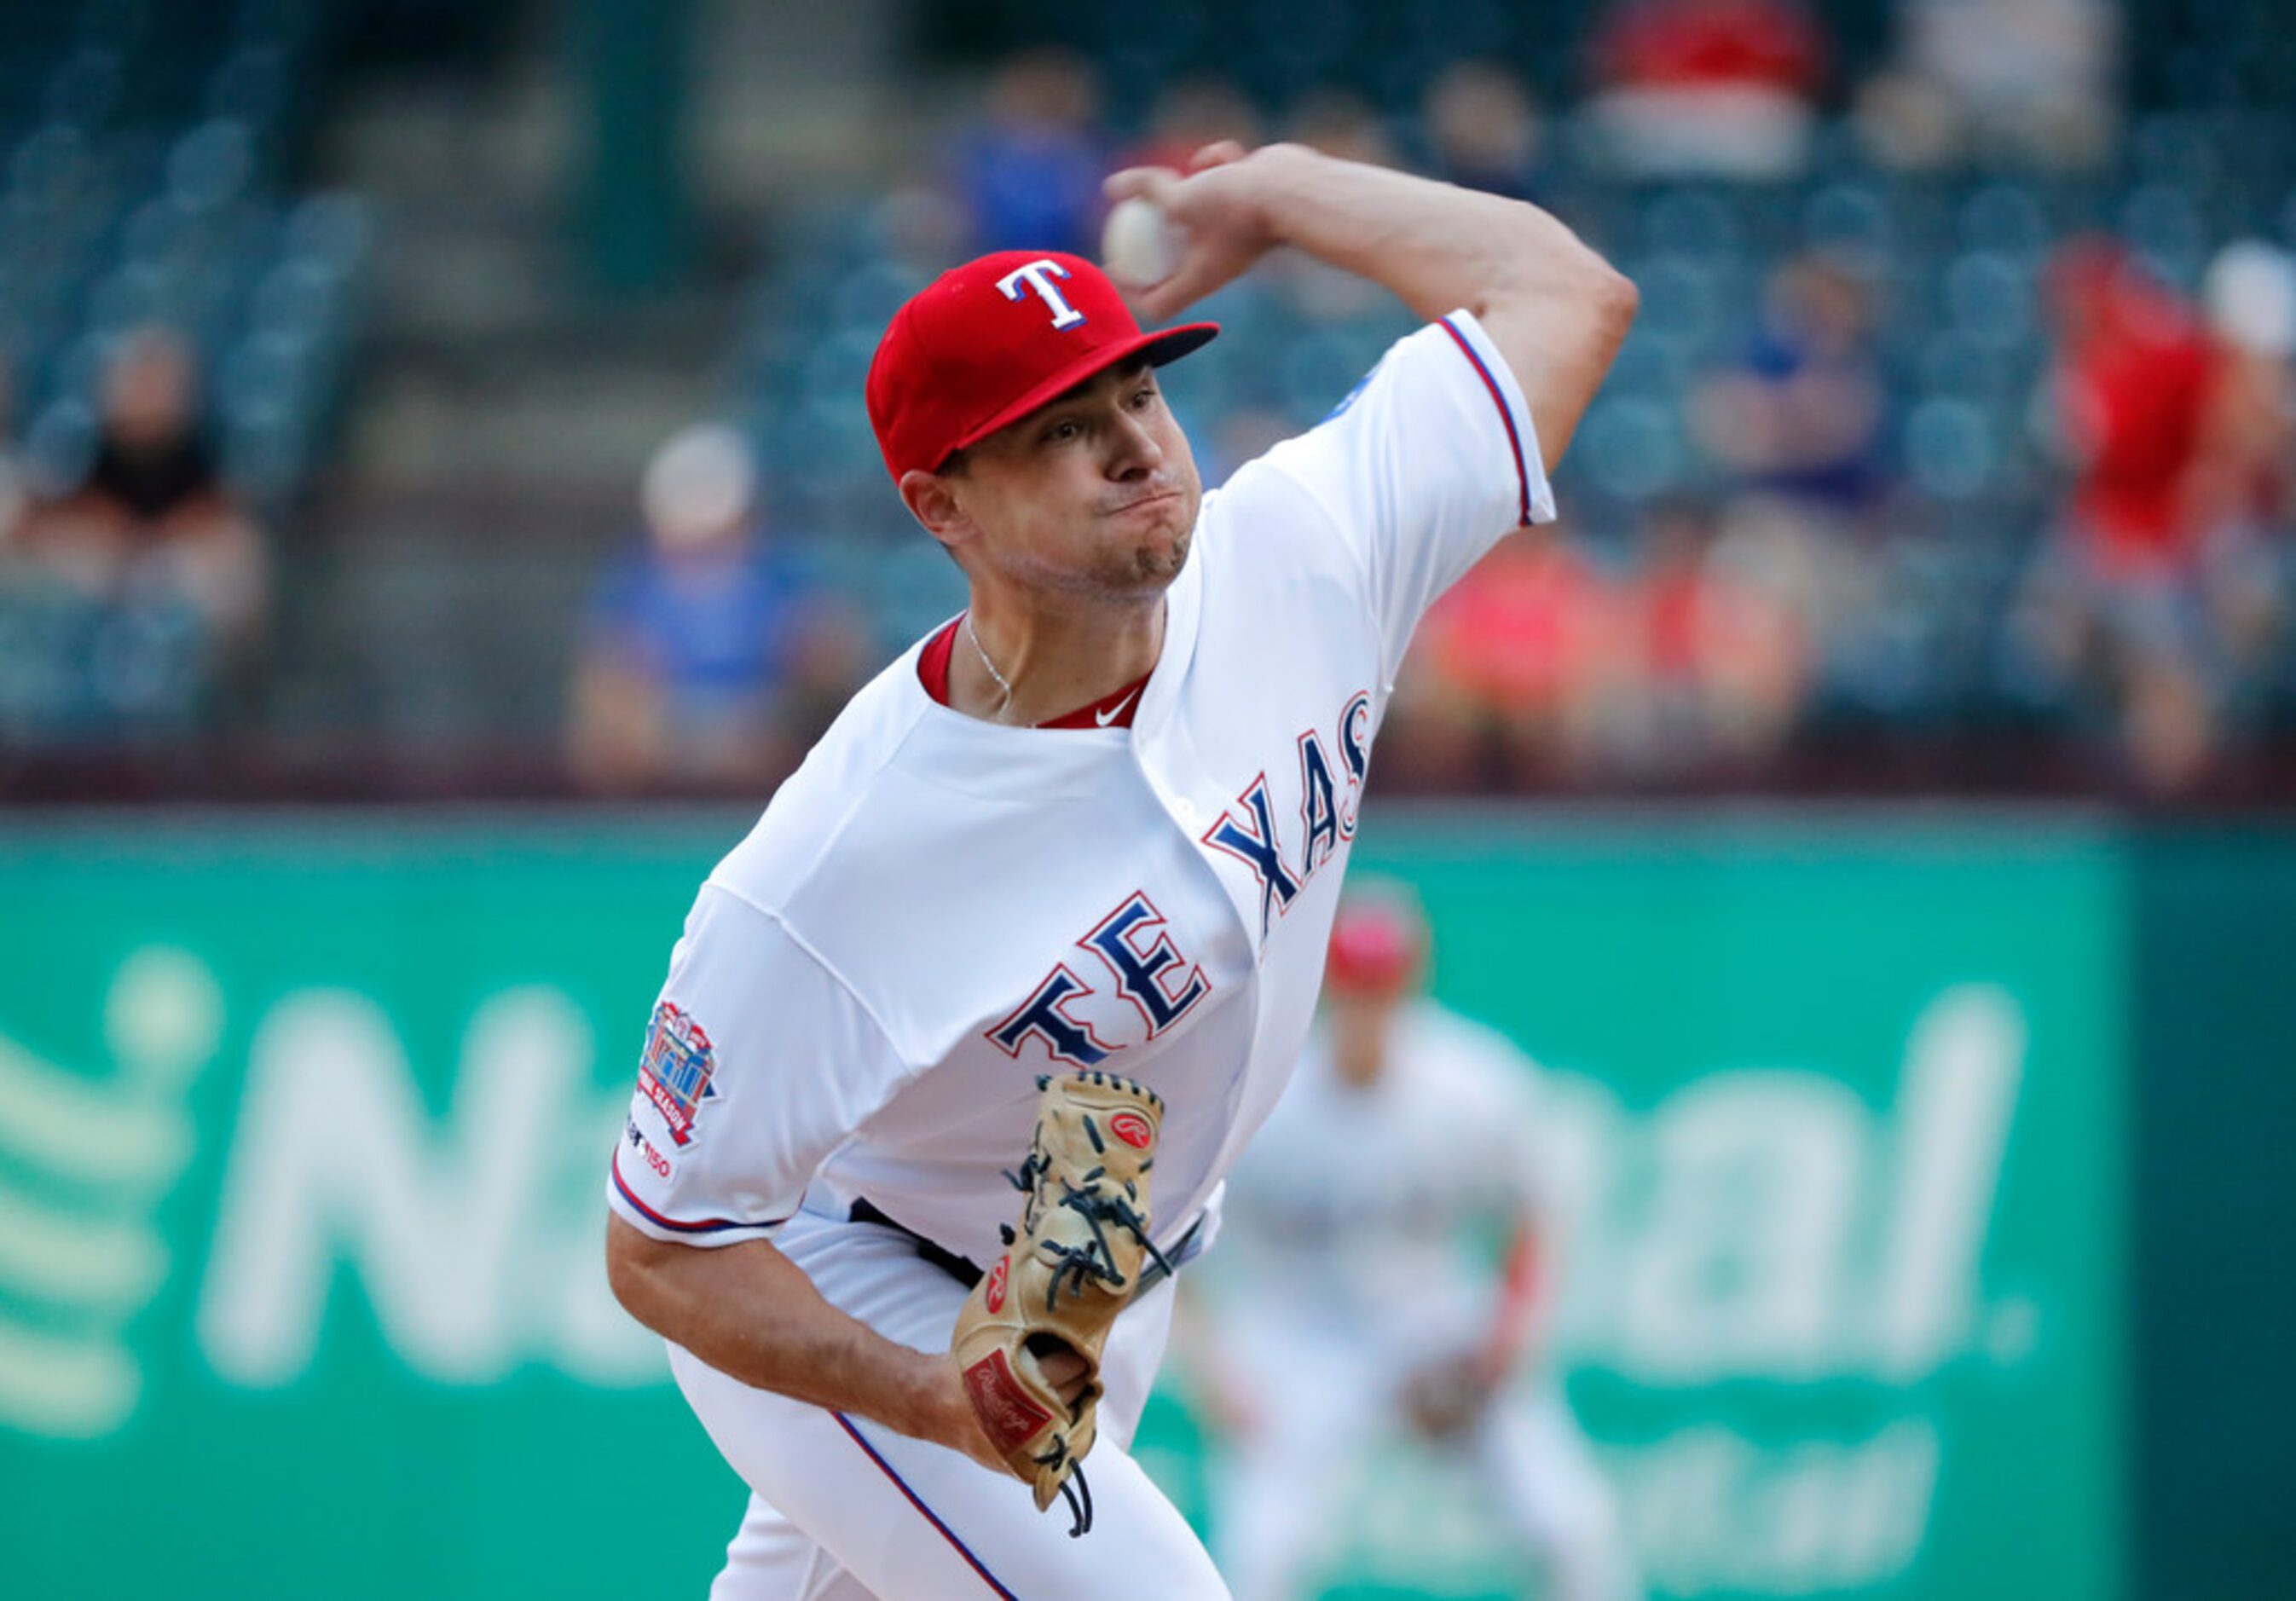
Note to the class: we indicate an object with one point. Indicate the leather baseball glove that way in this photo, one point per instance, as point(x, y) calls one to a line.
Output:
point(1443, 1397)
point(1073, 1264)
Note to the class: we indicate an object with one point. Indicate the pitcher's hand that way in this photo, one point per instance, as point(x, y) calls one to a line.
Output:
point(948, 1418)
point(1216, 213)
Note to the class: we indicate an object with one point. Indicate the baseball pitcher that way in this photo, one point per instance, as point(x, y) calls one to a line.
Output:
point(960, 1042)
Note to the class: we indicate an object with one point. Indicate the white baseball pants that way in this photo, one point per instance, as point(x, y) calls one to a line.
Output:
point(845, 1509)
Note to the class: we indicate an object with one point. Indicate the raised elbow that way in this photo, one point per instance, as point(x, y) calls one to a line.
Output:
point(1611, 296)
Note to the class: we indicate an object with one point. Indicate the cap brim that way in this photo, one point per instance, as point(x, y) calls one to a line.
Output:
point(1164, 346)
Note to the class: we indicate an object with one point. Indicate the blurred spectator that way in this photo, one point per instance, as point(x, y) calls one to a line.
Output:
point(2243, 489)
point(1720, 667)
point(1190, 113)
point(709, 659)
point(153, 517)
point(1841, 588)
point(1720, 89)
point(2249, 453)
point(1803, 413)
point(1538, 666)
point(1483, 129)
point(148, 582)
point(2030, 82)
point(1800, 425)
point(1029, 175)
point(2114, 608)
point(1511, 668)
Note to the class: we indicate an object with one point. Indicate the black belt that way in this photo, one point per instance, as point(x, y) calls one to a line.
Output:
point(968, 1273)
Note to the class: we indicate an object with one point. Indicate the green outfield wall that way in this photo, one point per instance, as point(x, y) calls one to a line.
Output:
point(2213, 1301)
point(302, 1124)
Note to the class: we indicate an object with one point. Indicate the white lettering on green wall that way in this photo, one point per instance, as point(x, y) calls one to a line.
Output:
point(473, 1237)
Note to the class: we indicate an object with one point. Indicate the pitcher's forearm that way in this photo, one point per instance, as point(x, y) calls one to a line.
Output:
point(754, 1315)
point(1436, 246)
point(1556, 311)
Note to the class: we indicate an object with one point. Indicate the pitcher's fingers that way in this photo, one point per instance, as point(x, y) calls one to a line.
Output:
point(1145, 182)
point(1199, 274)
point(1219, 153)
point(1066, 1371)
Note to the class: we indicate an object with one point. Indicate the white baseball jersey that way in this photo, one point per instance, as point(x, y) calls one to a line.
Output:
point(1358, 1211)
point(935, 909)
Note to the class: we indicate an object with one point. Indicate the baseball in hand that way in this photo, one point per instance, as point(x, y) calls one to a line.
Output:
point(1137, 245)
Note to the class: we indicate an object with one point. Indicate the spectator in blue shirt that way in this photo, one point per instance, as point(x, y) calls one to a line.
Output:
point(1805, 414)
point(708, 653)
point(1029, 175)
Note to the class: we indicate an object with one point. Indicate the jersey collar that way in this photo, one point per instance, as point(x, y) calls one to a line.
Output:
point(994, 760)
point(1112, 710)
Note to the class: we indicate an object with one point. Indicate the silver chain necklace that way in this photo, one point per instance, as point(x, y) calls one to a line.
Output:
point(1003, 683)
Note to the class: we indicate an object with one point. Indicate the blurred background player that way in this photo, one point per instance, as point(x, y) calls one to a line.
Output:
point(1362, 1223)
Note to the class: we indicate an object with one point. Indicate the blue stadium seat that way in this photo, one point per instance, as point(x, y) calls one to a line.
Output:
point(1632, 448)
point(2006, 217)
point(1848, 216)
point(1951, 447)
point(1990, 296)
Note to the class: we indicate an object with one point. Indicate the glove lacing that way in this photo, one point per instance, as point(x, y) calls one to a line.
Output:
point(1076, 1265)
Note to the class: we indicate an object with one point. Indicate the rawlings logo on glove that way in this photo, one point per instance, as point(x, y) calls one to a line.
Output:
point(1074, 1263)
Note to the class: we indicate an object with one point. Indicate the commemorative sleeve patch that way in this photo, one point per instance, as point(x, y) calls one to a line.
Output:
point(675, 1070)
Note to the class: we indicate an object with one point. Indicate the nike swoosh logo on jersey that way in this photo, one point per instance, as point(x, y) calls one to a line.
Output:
point(1105, 718)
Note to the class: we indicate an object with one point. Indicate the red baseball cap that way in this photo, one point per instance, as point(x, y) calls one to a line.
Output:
point(986, 343)
point(1378, 942)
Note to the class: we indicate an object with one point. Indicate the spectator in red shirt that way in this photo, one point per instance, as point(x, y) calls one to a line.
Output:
point(1539, 667)
point(1721, 667)
point(2133, 377)
point(1720, 89)
point(1508, 669)
point(2115, 608)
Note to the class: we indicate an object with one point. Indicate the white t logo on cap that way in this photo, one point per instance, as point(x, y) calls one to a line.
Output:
point(1038, 275)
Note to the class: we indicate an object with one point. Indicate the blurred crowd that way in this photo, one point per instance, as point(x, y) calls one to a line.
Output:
point(1991, 436)
point(2148, 601)
point(1959, 417)
point(175, 321)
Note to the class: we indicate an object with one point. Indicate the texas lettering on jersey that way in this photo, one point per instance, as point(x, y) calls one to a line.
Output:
point(1329, 804)
point(1132, 943)
point(1162, 985)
